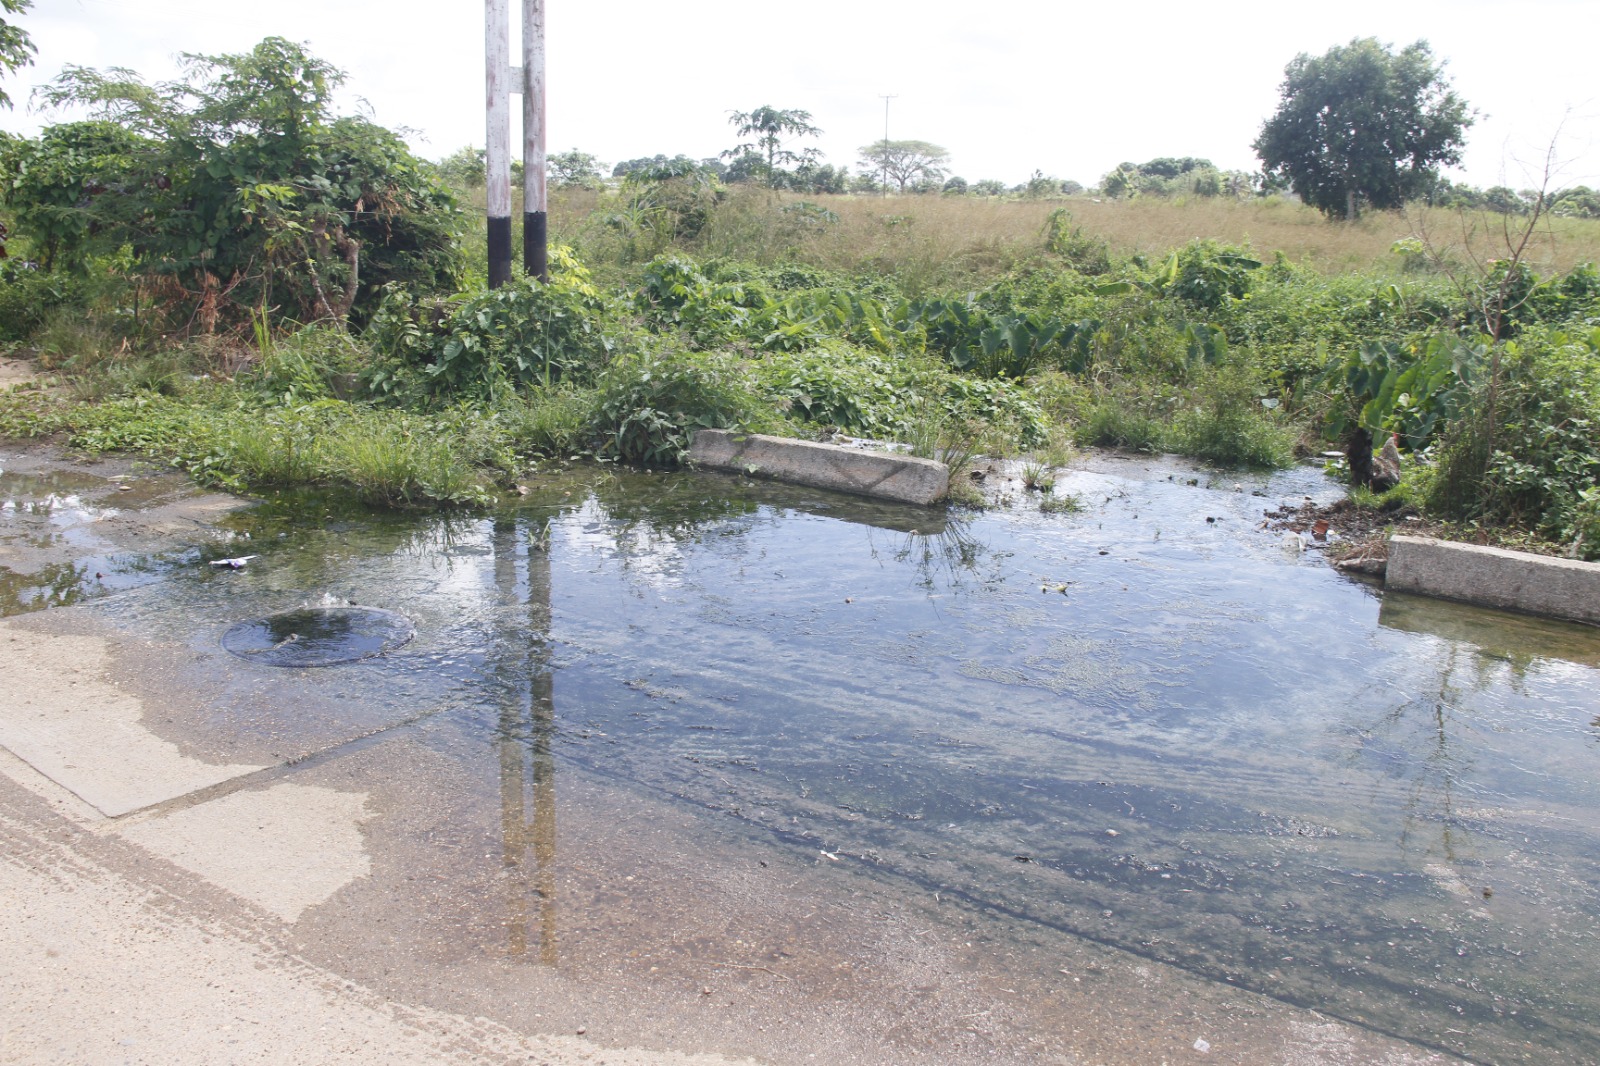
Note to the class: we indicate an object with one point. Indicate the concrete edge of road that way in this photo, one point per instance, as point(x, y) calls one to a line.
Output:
point(1495, 577)
point(880, 475)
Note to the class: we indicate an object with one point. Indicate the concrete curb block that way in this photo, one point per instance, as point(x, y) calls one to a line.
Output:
point(881, 475)
point(1495, 577)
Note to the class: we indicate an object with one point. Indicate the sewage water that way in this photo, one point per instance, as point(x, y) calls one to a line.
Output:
point(1148, 724)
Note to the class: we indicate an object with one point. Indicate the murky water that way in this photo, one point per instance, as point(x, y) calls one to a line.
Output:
point(1148, 724)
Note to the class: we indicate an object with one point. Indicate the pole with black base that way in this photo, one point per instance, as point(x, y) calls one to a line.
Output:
point(535, 223)
point(497, 154)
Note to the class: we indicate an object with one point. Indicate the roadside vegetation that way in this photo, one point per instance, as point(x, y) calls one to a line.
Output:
point(226, 276)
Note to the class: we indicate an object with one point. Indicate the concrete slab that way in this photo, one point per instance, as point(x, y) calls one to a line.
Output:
point(64, 717)
point(1495, 577)
point(284, 848)
point(881, 475)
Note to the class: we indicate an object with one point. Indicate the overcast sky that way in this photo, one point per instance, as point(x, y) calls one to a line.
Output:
point(1007, 86)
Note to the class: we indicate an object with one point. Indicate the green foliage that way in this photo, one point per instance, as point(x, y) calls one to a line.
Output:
point(1205, 275)
point(834, 385)
point(995, 344)
point(662, 203)
point(1526, 451)
point(16, 47)
point(1413, 389)
point(1363, 126)
point(648, 403)
point(236, 189)
point(65, 190)
point(1225, 423)
point(905, 162)
point(314, 363)
point(477, 344)
point(29, 296)
point(463, 169)
point(396, 462)
point(575, 169)
point(771, 130)
point(1128, 415)
point(1083, 253)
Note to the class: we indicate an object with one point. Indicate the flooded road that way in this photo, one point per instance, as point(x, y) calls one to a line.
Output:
point(690, 761)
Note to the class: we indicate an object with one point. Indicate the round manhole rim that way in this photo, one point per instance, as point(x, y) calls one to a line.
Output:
point(400, 628)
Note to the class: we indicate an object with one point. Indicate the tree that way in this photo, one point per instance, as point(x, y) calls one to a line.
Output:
point(575, 169)
point(766, 155)
point(905, 162)
point(16, 47)
point(236, 189)
point(1120, 182)
point(1362, 125)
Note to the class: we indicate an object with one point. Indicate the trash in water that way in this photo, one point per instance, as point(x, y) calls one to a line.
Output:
point(236, 563)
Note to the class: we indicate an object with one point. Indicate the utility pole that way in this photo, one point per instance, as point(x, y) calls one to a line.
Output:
point(497, 143)
point(535, 219)
point(501, 80)
point(886, 100)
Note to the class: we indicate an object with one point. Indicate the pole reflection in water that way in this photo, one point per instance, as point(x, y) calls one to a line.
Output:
point(527, 719)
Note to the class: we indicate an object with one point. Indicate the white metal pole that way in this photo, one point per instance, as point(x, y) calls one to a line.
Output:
point(497, 155)
point(535, 219)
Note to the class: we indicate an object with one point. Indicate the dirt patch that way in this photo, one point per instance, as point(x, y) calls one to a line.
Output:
point(18, 371)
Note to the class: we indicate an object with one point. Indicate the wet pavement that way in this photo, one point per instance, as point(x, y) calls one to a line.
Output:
point(690, 762)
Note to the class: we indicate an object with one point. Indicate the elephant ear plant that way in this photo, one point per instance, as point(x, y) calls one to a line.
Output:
point(1413, 389)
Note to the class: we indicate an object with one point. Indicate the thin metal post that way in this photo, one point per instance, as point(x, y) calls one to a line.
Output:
point(535, 219)
point(886, 100)
point(497, 154)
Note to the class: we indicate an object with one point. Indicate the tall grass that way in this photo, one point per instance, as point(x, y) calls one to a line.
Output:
point(948, 241)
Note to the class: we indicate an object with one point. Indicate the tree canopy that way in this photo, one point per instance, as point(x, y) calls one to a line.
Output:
point(1363, 126)
point(766, 154)
point(905, 162)
point(235, 187)
point(16, 47)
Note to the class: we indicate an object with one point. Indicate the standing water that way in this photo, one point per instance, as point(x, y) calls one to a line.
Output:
point(1148, 725)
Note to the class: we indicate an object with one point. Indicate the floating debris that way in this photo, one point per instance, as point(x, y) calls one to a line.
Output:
point(236, 563)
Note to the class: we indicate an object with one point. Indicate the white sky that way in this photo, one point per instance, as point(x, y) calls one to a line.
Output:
point(1007, 86)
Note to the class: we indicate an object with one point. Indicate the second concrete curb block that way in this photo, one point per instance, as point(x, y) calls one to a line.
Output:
point(881, 475)
point(1495, 577)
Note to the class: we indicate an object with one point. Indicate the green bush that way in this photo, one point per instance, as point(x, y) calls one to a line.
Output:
point(314, 363)
point(648, 403)
point(28, 296)
point(1527, 451)
point(1225, 423)
point(1204, 275)
point(479, 344)
point(859, 391)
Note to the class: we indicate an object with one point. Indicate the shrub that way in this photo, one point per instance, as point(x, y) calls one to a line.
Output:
point(1527, 451)
point(28, 296)
point(649, 403)
point(521, 334)
point(1205, 275)
point(1225, 423)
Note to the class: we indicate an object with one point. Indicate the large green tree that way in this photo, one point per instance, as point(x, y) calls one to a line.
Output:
point(769, 132)
point(905, 162)
point(1363, 126)
point(234, 188)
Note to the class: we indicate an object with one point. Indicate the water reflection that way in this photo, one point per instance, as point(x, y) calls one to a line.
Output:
point(1517, 640)
point(525, 727)
point(1190, 748)
point(54, 585)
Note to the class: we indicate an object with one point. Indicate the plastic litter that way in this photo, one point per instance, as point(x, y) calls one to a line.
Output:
point(236, 563)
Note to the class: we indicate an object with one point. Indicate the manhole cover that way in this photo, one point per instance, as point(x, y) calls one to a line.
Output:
point(318, 636)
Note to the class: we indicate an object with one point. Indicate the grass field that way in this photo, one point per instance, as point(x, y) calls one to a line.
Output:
point(936, 240)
